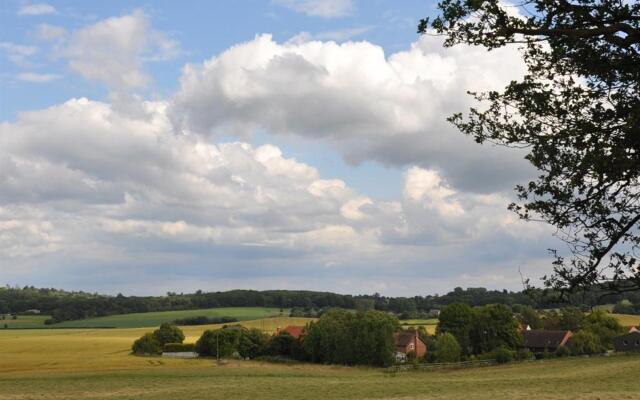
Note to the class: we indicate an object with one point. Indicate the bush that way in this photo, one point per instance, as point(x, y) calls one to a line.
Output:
point(585, 342)
point(179, 347)
point(226, 341)
point(624, 307)
point(524, 354)
point(147, 344)
point(563, 351)
point(253, 343)
point(168, 333)
point(503, 355)
point(448, 349)
point(285, 345)
point(604, 327)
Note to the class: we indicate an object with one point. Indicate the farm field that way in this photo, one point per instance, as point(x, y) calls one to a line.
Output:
point(95, 364)
point(25, 321)
point(139, 320)
point(628, 320)
point(429, 324)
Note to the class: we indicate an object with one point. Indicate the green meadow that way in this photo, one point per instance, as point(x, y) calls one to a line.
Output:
point(139, 320)
point(24, 321)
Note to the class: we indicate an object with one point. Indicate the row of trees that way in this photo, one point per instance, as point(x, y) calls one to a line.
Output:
point(464, 331)
point(64, 305)
point(481, 329)
point(338, 337)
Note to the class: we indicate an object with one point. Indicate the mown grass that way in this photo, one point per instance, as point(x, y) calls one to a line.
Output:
point(137, 320)
point(96, 364)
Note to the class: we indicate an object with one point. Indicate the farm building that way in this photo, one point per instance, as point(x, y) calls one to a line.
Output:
point(628, 342)
point(541, 340)
point(409, 342)
point(295, 331)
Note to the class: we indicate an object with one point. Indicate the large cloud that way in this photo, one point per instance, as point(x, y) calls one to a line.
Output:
point(88, 189)
point(370, 107)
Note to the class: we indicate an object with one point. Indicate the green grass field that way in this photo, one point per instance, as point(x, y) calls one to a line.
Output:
point(24, 321)
point(139, 320)
point(95, 364)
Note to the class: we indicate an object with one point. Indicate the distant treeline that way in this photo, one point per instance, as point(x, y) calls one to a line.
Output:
point(65, 305)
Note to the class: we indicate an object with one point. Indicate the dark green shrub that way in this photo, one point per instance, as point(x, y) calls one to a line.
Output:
point(253, 343)
point(147, 344)
point(585, 342)
point(179, 347)
point(524, 354)
point(285, 345)
point(503, 355)
point(563, 351)
point(225, 340)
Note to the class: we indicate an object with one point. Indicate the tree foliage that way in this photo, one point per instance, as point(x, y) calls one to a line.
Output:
point(347, 338)
point(285, 345)
point(456, 320)
point(493, 326)
point(604, 326)
point(585, 342)
point(147, 344)
point(168, 333)
point(447, 348)
point(577, 112)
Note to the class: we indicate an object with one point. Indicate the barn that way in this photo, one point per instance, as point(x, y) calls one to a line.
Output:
point(538, 341)
point(627, 343)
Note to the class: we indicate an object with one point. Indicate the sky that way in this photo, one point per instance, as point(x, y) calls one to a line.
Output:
point(153, 146)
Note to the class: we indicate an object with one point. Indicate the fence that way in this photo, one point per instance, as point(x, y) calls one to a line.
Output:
point(438, 366)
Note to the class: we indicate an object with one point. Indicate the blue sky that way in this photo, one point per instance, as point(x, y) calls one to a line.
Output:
point(201, 29)
point(153, 146)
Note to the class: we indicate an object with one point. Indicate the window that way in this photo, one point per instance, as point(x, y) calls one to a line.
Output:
point(411, 346)
point(624, 342)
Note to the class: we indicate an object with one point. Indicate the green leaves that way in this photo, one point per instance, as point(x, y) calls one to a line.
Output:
point(577, 111)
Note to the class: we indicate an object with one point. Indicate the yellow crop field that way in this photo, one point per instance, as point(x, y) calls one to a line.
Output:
point(628, 320)
point(88, 349)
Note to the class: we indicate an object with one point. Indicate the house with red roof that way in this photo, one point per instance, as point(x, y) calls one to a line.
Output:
point(293, 330)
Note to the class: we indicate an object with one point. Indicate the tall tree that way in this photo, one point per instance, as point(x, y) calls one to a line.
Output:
point(577, 111)
point(456, 319)
point(493, 326)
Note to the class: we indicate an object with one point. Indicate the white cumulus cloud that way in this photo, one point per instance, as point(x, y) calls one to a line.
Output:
point(367, 105)
point(114, 50)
